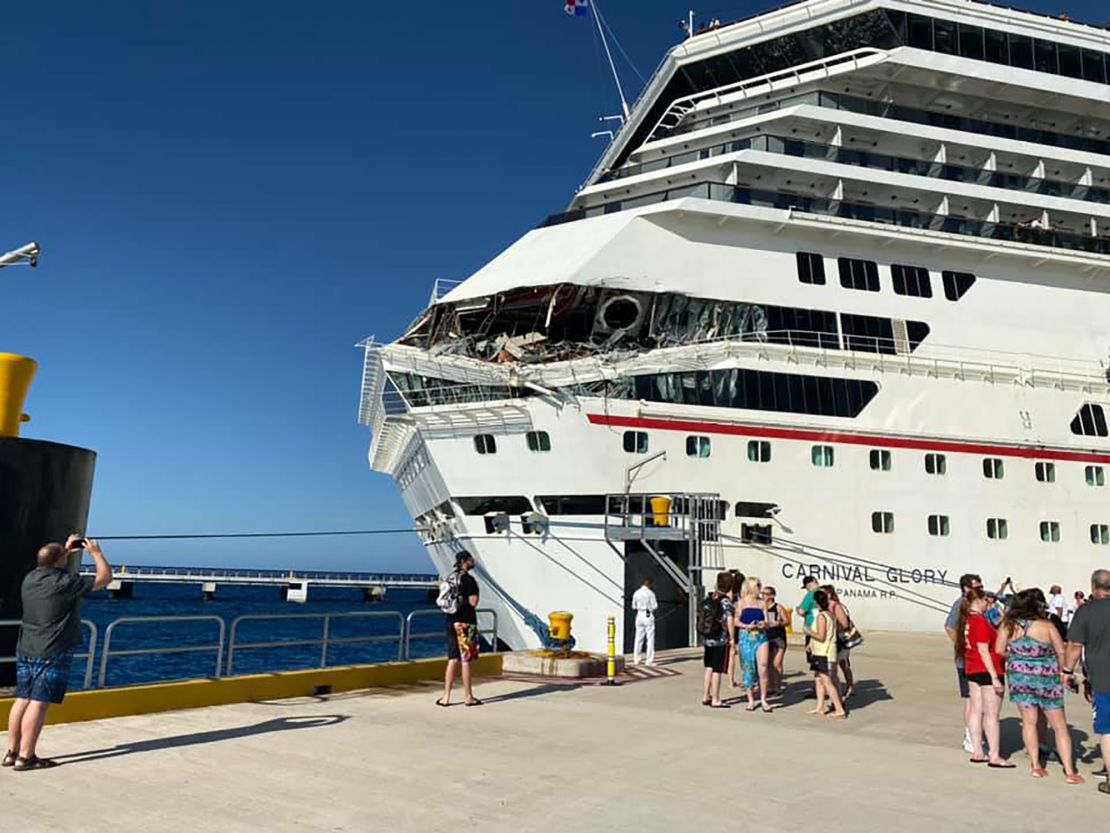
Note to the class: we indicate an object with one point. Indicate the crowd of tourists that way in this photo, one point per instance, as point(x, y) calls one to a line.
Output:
point(1036, 645)
point(743, 629)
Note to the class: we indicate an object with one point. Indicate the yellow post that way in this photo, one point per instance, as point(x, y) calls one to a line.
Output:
point(15, 379)
point(611, 665)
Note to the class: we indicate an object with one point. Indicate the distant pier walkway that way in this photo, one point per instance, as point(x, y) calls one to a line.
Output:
point(294, 584)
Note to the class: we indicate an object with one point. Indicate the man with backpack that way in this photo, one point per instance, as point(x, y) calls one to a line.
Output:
point(458, 598)
point(714, 624)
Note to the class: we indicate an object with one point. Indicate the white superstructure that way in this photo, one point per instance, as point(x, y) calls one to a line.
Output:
point(847, 264)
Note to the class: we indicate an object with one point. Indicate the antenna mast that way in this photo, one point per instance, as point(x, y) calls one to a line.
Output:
point(609, 55)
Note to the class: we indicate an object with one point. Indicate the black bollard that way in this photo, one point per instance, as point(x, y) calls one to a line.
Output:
point(45, 489)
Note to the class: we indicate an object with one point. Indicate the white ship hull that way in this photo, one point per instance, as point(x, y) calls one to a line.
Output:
point(968, 434)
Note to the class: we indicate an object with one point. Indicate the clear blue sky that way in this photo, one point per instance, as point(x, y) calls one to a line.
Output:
point(230, 195)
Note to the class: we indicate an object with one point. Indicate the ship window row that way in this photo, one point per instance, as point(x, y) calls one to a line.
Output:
point(913, 281)
point(881, 29)
point(882, 522)
point(537, 441)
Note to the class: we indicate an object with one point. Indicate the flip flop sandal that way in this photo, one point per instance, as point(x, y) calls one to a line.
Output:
point(1039, 772)
point(474, 702)
point(750, 708)
point(1104, 787)
point(720, 706)
point(706, 702)
point(1074, 778)
point(440, 702)
point(34, 762)
point(767, 709)
point(978, 760)
point(1006, 765)
point(9, 758)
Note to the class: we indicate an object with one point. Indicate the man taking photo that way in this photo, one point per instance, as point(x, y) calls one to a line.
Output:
point(49, 633)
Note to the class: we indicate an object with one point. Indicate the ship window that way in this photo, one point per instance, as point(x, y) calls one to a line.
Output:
point(1096, 476)
point(697, 446)
point(997, 50)
point(756, 533)
point(993, 468)
point(751, 389)
point(636, 442)
point(750, 509)
point(572, 504)
point(911, 280)
point(822, 456)
point(996, 529)
point(1021, 51)
point(1046, 472)
point(811, 268)
point(944, 37)
point(936, 464)
point(538, 441)
point(759, 451)
point(868, 334)
point(1094, 68)
point(882, 522)
point(1071, 62)
point(1050, 532)
point(511, 504)
point(1100, 534)
point(956, 284)
point(1090, 421)
point(859, 274)
point(1044, 56)
point(971, 42)
point(938, 525)
point(485, 444)
point(880, 459)
point(921, 32)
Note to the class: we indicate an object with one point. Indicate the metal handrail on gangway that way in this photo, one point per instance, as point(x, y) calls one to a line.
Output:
point(85, 655)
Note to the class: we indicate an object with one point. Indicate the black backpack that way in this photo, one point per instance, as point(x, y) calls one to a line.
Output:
point(710, 612)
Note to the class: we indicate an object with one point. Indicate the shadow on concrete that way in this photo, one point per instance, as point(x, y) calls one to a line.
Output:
point(539, 690)
point(1012, 743)
point(280, 724)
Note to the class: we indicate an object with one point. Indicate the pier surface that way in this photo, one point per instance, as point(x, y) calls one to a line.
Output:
point(558, 757)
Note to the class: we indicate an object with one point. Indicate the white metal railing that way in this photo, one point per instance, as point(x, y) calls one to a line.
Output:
point(325, 640)
point(440, 288)
point(107, 651)
point(822, 68)
point(227, 639)
point(85, 655)
point(490, 632)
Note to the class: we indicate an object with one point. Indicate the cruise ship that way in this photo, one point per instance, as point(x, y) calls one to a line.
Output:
point(834, 301)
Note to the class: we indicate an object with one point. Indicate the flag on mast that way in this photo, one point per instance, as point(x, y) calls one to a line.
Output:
point(577, 7)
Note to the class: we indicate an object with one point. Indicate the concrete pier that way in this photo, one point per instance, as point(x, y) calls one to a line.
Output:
point(121, 589)
point(208, 590)
point(295, 591)
point(544, 755)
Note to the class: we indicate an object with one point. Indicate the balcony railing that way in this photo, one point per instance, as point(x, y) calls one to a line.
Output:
point(948, 223)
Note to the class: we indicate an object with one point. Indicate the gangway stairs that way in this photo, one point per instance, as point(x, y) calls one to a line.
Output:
point(690, 518)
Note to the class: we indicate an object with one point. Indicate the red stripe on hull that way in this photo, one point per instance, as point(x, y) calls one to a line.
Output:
point(876, 440)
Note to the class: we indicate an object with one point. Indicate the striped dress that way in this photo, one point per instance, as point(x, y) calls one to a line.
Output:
point(1033, 672)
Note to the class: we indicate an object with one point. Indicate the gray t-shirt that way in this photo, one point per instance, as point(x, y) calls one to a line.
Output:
point(1091, 629)
point(51, 612)
point(953, 620)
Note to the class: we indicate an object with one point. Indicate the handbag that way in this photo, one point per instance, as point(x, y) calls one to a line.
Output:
point(850, 638)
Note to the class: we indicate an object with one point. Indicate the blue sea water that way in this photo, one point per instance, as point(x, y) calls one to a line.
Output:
point(231, 602)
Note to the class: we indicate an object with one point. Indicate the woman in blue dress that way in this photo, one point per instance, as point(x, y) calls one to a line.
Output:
point(751, 617)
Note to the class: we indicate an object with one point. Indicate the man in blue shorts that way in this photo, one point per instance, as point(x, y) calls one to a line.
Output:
point(1089, 634)
point(49, 632)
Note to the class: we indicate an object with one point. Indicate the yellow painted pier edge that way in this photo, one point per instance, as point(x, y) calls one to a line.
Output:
point(194, 694)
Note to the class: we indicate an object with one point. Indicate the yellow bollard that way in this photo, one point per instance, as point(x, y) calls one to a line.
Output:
point(611, 665)
point(15, 379)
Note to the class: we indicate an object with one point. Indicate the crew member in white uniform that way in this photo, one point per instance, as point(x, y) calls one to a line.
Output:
point(644, 603)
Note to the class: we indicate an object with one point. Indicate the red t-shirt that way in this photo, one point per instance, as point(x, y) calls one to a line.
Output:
point(979, 630)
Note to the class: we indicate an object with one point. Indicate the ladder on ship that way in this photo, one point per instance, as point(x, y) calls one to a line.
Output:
point(651, 519)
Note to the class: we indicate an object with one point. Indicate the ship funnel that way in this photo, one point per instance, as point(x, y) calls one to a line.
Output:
point(16, 373)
